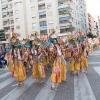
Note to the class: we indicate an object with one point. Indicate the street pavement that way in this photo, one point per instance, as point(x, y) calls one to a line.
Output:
point(82, 87)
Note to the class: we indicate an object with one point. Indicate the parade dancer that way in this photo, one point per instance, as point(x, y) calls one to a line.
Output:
point(19, 71)
point(59, 67)
point(84, 61)
point(38, 68)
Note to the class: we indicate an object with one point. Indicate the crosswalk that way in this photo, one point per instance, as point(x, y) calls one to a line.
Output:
point(81, 87)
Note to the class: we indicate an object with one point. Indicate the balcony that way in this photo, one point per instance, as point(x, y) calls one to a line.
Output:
point(10, 13)
point(6, 23)
point(4, 8)
point(5, 14)
point(41, 7)
point(63, 5)
point(65, 14)
point(6, 29)
point(42, 15)
point(65, 23)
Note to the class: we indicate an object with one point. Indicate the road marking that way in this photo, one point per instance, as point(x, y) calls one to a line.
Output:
point(5, 75)
point(94, 54)
point(15, 93)
point(7, 82)
point(46, 93)
point(93, 62)
point(82, 88)
point(97, 69)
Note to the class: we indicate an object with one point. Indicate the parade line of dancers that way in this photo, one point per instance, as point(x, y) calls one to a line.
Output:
point(40, 54)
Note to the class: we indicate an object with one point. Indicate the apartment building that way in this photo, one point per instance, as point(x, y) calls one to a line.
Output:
point(99, 25)
point(12, 14)
point(91, 23)
point(27, 16)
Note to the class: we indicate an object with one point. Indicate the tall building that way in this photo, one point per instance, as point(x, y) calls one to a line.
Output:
point(91, 24)
point(96, 28)
point(26, 16)
point(12, 14)
point(99, 25)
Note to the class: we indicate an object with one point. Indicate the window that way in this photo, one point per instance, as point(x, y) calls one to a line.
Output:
point(43, 23)
point(16, 11)
point(33, 25)
point(17, 27)
point(17, 19)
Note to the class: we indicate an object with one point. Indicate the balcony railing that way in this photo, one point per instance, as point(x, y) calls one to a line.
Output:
point(41, 7)
point(64, 13)
point(43, 16)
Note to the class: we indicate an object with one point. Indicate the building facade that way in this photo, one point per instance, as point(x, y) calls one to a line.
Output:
point(27, 16)
point(99, 25)
point(91, 24)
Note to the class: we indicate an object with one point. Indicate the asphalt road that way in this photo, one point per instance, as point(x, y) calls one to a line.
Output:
point(82, 87)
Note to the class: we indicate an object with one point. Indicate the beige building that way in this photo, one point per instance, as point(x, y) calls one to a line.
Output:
point(27, 16)
point(99, 25)
point(91, 23)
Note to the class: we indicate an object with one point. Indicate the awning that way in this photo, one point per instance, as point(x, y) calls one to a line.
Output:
point(5, 13)
point(4, 6)
point(63, 18)
point(11, 26)
point(42, 13)
point(63, 9)
point(64, 27)
point(43, 27)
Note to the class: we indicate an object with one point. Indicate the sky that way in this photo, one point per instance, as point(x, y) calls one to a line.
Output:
point(93, 7)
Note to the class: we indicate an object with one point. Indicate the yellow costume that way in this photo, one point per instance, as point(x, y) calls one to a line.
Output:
point(38, 68)
point(72, 64)
point(84, 61)
point(10, 62)
point(59, 76)
point(19, 71)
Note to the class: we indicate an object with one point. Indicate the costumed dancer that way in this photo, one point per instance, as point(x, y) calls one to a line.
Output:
point(59, 67)
point(19, 70)
point(38, 68)
point(84, 60)
point(74, 64)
